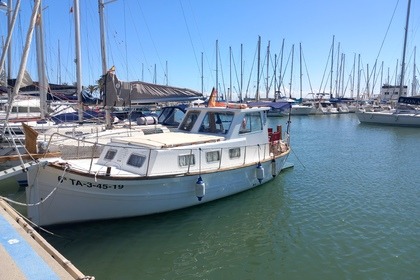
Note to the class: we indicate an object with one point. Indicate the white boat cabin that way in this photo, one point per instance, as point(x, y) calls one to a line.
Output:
point(208, 139)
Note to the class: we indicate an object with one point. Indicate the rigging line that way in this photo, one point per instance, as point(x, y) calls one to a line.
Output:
point(138, 36)
point(151, 38)
point(203, 46)
point(250, 74)
point(293, 151)
point(89, 55)
point(30, 222)
point(307, 72)
point(189, 36)
point(221, 72)
point(284, 73)
point(383, 41)
point(325, 70)
point(236, 72)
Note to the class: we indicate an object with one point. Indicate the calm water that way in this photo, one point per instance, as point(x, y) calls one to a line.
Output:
point(349, 209)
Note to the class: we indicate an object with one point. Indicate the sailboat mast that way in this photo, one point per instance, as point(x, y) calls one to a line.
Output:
point(291, 73)
point(230, 73)
point(217, 66)
point(101, 6)
point(242, 73)
point(257, 95)
point(59, 64)
point(300, 70)
point(8, 43)
point(267, 89)
point(24, 60)
point(414, 84)
point(11, 19)
point(332, 65)
point(404, 49)
point(78, 60)
point(202, 73)
point(281, 68)
point(102, 32)
point(42, 77)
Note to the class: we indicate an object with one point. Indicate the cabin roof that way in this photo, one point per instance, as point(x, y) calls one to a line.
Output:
point(168, 140)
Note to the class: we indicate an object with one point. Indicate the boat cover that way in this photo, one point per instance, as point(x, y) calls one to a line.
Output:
point(282, 105)
point(119, 93)
point(414, 100)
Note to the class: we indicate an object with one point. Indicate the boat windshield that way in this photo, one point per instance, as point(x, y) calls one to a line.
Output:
point(217, 122)
point(189, 120)
point(252, 122)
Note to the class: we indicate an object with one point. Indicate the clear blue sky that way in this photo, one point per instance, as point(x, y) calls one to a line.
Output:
point(143, 33)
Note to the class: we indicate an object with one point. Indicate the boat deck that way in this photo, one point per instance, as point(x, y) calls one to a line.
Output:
point(175, 139)
point(25, 254)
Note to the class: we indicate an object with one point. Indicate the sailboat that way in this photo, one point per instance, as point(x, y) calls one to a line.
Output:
point(407, 110)
point(299, 108)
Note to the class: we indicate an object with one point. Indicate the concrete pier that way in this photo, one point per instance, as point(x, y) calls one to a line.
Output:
point(25, 254)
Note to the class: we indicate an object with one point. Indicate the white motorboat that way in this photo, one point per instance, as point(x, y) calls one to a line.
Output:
point(216, 152)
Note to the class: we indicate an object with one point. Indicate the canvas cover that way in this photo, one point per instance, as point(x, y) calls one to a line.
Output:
point(119, 93)
point(414, 100)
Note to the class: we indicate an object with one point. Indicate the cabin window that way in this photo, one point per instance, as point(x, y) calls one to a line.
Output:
point(189, 120)
point(217, 122)
point(186, 160)
point(136, 160)
point(213, 156)
point(110, 154)
point(235, 153)
point(251, 122)
point(171, 116)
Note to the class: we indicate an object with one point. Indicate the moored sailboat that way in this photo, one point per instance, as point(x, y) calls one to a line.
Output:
point(406, 112)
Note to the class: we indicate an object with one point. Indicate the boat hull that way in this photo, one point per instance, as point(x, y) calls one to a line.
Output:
point(56, 196)
point(389, 118)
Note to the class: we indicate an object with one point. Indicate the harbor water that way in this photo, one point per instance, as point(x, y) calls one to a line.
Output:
point(348, 209)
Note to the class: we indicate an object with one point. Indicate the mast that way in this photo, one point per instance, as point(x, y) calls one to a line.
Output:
point(230, 73)
point(11, 19)
point(42, 77)
point(358, 77)
point(414, 84)
point(242, 74)
point(404, 49)
point(281, 68)
point(217, 66)
point(8, 43)
point(202, 74)
point(353, 78)
point(275, 76)
point(300, 70)
point(291, 73)
point(257, 96)
point(332, 65)
point(78, 60)
point(101, 6)
point(368, 81)
point(337, 75)
point(24, 60)
point(268, 64)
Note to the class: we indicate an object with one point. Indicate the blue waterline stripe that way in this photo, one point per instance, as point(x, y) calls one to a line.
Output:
point(29, 262)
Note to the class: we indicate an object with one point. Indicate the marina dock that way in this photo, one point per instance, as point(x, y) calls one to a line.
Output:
point(25, 254)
